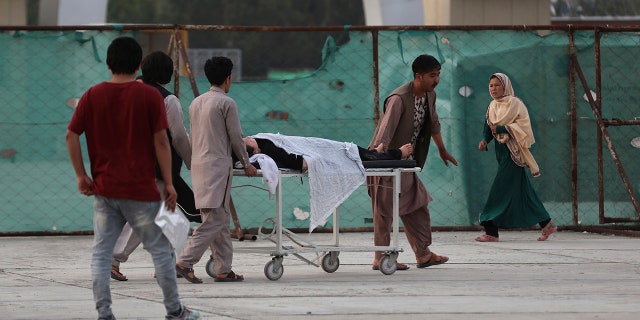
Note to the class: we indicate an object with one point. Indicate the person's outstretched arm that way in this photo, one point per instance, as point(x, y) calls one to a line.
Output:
point(444, 154)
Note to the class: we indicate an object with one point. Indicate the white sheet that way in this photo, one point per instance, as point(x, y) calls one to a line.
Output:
point(334, 170)
point(269, 171)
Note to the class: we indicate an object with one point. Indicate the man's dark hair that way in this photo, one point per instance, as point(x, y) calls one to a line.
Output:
point(157, 68)
point(124, 55)
point(218, 69)
point(424, 63)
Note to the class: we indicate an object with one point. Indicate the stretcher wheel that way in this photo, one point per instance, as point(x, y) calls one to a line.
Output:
point(388, 264)
point(273, 270)
point(210, 268)
point(330, 262)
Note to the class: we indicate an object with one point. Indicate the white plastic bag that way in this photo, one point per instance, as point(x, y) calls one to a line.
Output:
point(174, 225)
point(123, 239)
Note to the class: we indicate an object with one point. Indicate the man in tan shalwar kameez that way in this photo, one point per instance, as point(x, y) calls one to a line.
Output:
point(215, 134)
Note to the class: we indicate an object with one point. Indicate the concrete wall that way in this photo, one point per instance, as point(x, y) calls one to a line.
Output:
point(486, 12)
point(13, 12)
point(54, 12)
point(72, 12)
point(457, 12)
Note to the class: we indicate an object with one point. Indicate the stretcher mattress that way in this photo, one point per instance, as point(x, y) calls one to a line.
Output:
point(389, 164)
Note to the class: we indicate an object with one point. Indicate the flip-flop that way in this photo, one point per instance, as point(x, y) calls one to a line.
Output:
point(230, 277)
point(487, 238)
point(116, 275)
point(547, 231)
point(188, 274)
point(399, 266)
point(433, 261)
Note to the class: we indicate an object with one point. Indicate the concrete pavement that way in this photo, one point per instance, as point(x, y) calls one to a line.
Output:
point(572, 276)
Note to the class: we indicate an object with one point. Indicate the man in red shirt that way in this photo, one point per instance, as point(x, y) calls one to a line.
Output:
point(125, 124)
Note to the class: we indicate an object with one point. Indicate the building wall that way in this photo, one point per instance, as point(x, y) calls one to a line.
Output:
point(393, 12)
point(486, 12)
point(13, 12)
point(72, 12)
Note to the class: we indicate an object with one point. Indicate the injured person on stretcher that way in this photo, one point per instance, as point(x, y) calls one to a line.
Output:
point(334, 169)
point(283, 159)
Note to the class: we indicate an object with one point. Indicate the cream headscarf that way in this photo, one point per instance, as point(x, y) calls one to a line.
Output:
point(510, 111)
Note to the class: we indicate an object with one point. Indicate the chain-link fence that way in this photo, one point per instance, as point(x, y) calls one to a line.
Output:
point(337, 95)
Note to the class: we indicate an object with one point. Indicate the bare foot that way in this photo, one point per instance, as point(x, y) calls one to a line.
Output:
point(380, 148)
point(407, 150)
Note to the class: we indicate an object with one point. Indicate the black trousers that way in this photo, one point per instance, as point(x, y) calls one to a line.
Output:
point(186, 199)
point(491, 229)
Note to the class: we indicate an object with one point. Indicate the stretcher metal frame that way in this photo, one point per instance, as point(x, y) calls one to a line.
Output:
point(327, 254)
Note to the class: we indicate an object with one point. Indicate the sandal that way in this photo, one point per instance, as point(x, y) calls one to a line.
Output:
point(116, 275)
point(230, 277)
point(487, 238)
point(547, 231)
point(433, 261)
point(188, 274)
point(399, 266)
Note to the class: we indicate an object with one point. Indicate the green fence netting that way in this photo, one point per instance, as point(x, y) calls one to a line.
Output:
point(43, 72)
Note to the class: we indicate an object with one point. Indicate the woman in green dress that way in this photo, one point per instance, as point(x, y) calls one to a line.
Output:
point(512, 202)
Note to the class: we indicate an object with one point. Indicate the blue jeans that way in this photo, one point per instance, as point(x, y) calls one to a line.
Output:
point(110, 215)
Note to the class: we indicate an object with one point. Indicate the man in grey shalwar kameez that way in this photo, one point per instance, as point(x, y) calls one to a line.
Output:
point(409, 117)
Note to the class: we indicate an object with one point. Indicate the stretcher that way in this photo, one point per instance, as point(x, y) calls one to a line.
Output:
point(285, 242)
